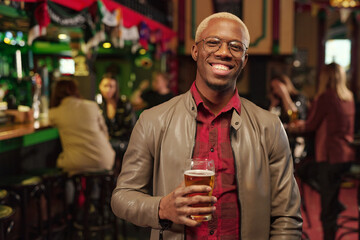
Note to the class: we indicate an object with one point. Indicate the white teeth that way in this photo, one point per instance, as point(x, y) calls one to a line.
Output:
point(220, 67)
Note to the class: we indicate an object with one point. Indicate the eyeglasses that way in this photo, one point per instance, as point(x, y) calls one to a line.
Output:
point(213, 44)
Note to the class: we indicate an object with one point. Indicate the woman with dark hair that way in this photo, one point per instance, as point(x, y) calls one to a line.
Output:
point(285, 100)
point(290, 105)
point(63, 88)
point(82, 131)
point(117, 112)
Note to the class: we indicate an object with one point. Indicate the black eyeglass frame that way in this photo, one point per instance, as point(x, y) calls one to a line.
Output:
point(222, 41)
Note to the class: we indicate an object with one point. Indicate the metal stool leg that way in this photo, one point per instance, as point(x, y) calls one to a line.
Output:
point(87, 209)
point(2, 231)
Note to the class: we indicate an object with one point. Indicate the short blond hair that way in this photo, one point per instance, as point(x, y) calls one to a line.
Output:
point(204, 23)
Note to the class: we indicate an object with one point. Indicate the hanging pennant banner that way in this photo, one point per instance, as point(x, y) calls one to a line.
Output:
point(110, 19)
point(78, 14)
point(39, 21)
point(144, 34)
point(64, 17)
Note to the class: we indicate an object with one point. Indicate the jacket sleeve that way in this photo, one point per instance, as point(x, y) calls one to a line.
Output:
point(286, 221)
point(131, 199)
point(318, 113)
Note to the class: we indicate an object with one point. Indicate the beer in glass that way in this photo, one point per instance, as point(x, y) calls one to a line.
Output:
point(293, 116)
point(201, 172)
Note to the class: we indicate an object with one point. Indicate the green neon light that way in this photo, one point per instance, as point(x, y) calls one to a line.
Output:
point(193, 18)
point(263, 35)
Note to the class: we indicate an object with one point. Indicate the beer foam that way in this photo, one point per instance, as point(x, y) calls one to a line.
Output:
point(199, 173)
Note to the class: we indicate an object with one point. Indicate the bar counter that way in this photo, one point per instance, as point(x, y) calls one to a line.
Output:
point(25, 146)
point(12, 130)
point(31, 133)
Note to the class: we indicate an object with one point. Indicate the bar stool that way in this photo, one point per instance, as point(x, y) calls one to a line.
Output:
point(4, 200)
point(92, 213)
point(5, 214)
point(3, 196)
point(54, 179)
point(25, 187)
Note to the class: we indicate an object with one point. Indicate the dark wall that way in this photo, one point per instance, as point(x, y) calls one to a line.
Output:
point(257, 80)
point(25, 159)
point(187, 72)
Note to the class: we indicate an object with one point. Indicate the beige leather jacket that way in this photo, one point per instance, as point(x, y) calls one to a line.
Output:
point(161, 145)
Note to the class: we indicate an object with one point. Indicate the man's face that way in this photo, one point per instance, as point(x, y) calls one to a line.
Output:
point(219, 70)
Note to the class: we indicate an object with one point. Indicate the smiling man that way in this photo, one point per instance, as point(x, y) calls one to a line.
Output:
point(255, 195)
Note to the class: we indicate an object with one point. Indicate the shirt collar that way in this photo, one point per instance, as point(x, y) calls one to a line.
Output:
point(234, 102)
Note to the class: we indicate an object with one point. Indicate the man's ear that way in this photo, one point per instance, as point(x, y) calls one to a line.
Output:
point(245, 60)
point(194, 52)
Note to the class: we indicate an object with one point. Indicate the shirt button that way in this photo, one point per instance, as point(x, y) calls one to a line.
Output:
point(211, 149)
point(236, 123)
point(211, 232)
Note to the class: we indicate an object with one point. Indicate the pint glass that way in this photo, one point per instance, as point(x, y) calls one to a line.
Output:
point(293, 116)
point(200, 172)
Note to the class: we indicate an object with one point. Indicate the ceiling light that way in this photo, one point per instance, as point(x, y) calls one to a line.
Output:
point(345, 3)
point(106, 45)
point(62, 36)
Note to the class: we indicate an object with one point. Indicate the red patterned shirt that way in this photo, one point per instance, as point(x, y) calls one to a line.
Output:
point(213, 142)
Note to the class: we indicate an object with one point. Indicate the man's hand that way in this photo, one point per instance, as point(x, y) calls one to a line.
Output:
point(176, 206)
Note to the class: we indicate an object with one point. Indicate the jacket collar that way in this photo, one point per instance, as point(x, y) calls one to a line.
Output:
point(190, 104)
point(236, 120)
point(234, 102)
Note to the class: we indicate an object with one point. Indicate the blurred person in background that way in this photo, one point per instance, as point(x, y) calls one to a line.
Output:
point(144, 98)
point(290, 105)
point(331, 117)
point(285, 99)
point(82, 129)
point(118, 114)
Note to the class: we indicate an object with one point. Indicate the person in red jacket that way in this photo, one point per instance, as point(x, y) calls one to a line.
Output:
point(331, 117)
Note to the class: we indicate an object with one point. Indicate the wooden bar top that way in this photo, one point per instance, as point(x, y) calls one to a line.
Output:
point(14, 130)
